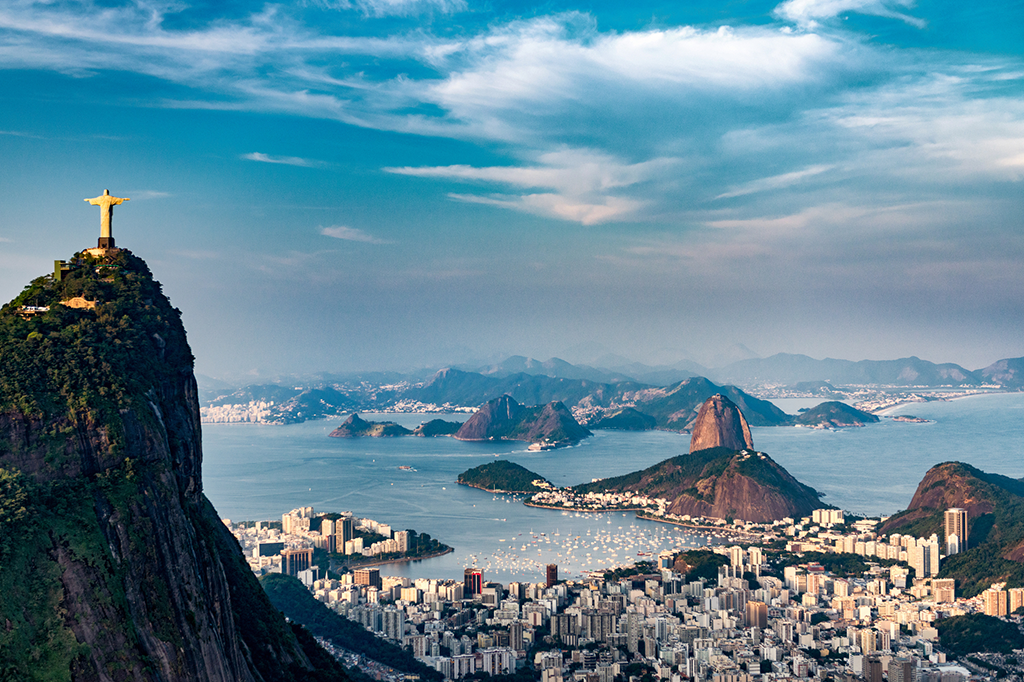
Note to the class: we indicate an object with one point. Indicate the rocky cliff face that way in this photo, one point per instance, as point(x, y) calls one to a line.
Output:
point(720, 424)
point(505, 419)
point(113, 564)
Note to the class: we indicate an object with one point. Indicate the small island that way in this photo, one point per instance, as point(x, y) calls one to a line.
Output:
point(504, 477)
point(910, 419)
point(834, 414)
point(505, 419)
point(356, 427)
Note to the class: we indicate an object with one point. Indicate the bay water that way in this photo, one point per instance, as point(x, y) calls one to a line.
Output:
point(258, 472)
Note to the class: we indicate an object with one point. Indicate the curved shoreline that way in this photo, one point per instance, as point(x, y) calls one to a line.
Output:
point(585, 511)
point(497, 491)
point(401, 560)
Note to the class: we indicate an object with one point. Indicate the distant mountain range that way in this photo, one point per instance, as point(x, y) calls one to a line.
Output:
point(595, 394)
point(787, 369)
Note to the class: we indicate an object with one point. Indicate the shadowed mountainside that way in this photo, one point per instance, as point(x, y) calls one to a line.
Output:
point(113, 564)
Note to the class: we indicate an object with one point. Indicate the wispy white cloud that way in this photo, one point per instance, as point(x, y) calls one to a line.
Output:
point(285, 160)
point(558, 206)
point(774, 182)
point(350, 234)
point(585, 183)
point(597, 125)
point(19, 133)
point(808, 13)
point(386, 8)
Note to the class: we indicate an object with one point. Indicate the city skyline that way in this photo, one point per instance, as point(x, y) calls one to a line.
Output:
point(394, 184)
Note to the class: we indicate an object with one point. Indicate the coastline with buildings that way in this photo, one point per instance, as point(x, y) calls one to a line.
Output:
point(755, 612)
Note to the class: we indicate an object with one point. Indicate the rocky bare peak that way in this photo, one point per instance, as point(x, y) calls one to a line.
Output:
point(505, 419)
point(720, 424)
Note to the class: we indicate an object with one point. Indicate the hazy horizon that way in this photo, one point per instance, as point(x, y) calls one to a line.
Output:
point(391, 184)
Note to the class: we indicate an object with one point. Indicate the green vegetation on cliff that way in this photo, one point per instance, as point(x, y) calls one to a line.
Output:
point(71, 361)
point(112, 562)
point(995, 511)
point(437, 427)
point(977, 633)
point(502, 476)
point(700, 563)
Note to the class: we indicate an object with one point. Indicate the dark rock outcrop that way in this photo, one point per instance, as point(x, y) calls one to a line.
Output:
point(113, 564)
point(505, 419)
point(719, 483)
point(834, 414)
point(357, 427)
point(720, 424)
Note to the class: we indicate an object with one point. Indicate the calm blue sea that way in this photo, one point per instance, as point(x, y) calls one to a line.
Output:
point(259, 472)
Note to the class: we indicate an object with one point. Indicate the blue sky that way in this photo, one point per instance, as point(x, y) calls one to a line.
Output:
point(382, 184)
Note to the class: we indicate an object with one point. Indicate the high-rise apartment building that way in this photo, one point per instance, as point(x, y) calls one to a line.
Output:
point(944, 590)
point(367, 576)
point(551, 575)
point(473, 582)
point(956, 530)
point(995, 602)
point(757, 614)
point(901, 670)
point(344, 528)
point(295, 560)
point(1015, 598)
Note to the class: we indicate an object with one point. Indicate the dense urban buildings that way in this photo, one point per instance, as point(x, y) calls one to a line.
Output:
point(750, 619)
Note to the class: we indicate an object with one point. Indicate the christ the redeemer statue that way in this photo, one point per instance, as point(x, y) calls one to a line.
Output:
point(106, 204)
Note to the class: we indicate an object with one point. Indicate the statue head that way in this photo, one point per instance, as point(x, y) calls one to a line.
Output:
point(106, 192)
